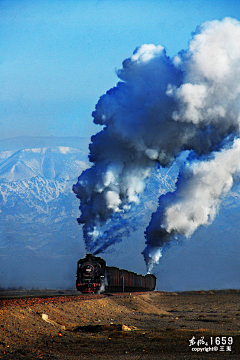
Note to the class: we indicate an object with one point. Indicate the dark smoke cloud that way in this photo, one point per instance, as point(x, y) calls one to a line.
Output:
point(161, 108)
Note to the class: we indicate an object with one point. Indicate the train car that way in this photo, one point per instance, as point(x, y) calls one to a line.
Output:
point(93, 276)
point(123, 280)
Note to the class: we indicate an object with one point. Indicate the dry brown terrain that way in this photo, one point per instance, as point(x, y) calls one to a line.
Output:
point(142, 326)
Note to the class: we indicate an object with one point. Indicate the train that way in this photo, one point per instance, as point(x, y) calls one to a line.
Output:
point(94, 276)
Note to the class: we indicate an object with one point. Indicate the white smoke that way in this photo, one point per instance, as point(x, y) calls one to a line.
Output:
point(160, 108)
point(199, 191)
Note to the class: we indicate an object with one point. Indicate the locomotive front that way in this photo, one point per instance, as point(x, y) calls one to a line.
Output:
point(90, 274)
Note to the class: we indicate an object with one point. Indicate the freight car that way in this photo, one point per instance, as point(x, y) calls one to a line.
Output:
point(93, 276)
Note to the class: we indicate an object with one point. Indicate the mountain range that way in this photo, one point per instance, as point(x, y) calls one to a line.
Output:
point(38, 212)
point(41, 241)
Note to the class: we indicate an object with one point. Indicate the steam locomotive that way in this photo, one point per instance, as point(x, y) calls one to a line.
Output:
point(93, 276)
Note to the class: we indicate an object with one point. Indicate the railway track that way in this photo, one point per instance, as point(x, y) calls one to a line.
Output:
point(30, 297)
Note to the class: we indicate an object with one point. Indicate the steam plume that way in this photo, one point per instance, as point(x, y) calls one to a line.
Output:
point(160, 108)
point(199, 190)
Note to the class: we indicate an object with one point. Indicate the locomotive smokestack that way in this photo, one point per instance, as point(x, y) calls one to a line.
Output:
point(160, 108)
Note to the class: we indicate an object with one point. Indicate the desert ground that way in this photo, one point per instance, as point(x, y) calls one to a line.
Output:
point(136, 326)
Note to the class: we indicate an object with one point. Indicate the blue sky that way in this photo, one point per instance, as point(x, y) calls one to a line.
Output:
point(58, 57)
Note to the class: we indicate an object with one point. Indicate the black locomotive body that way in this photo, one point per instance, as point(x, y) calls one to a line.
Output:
point(94, 276)
point(90, 274)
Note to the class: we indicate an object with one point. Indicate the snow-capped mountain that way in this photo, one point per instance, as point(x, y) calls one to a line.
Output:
point(32, 180)
point(38, 208)
point(41, 241)
point(49, 163)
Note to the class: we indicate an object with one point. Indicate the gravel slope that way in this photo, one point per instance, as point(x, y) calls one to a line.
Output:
point(122, 326)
